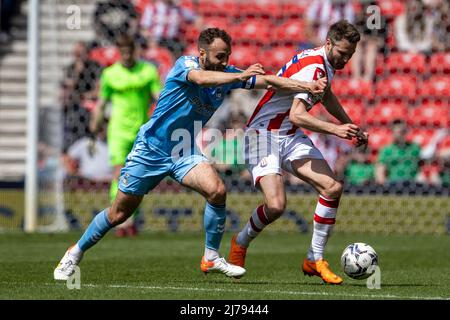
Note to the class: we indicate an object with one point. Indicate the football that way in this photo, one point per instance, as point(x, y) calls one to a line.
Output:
point(358, 260)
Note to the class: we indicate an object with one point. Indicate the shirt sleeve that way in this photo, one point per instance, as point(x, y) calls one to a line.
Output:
point(105, 88)
point(183, 66)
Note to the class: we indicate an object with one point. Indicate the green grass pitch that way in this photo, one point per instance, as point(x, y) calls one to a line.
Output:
point(166, 266)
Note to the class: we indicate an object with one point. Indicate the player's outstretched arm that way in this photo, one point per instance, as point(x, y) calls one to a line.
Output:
point(206, 78)
point(271, 82)
point(301, 118)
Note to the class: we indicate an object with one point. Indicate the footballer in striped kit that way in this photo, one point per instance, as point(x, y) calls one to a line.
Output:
point(275, 142)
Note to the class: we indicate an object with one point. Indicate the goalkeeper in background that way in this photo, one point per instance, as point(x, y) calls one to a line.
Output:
point(131, 86)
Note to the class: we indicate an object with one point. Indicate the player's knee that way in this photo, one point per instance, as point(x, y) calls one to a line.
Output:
point(275, 208)
point(218, 194)
point(334, 190)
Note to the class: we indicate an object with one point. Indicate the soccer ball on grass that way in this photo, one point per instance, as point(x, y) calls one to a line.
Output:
point(358, 260)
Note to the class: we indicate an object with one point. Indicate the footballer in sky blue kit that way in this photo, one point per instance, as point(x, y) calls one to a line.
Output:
point(194, 89)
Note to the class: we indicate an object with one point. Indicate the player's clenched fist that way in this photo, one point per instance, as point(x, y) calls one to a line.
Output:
point(318, 87)
point(251, 71)
point(346, 131)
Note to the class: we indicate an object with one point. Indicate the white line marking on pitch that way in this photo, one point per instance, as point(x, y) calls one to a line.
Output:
point(261, 291)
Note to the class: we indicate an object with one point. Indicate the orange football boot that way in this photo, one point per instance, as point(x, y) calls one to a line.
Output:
point(237, 253)
point(321, 269)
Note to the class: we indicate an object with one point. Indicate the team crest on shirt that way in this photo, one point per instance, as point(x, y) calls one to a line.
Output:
point(191, 64)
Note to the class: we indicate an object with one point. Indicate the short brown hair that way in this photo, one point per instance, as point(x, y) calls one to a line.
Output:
point(125, 40)
point(343, 30)
point(207, 37)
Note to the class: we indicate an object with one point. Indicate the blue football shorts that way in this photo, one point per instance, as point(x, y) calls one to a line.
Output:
point(147, 165)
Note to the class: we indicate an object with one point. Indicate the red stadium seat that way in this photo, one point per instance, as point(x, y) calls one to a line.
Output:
point(275, 58)
point(105, 56)
point(262, 9)
point(445, 143)
point(244, 56)
point(352, 88)
point(162, 58)
point(421, 136)
point(294, 9)
point(383, 113)
point(391, 8)
point(223, 8)
point(440, 63)
point(429, 114)
point(190, 33)
point(405, 63)
point(251, 31)
point(435, 87)
point(290, 32)
point(397, 87)
point(379, 65)
point(378, 138)
point(191, 50)
point(355, 109)
point(217, 22)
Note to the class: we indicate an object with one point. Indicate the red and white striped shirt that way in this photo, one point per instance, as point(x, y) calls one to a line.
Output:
point(272, 111)
point(165, 20)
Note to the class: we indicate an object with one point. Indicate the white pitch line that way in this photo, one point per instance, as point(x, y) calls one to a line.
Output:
point(389, 296)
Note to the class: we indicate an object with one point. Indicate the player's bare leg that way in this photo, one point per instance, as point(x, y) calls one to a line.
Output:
point(121, 209)
point(204, 179)
point(128, 227)
point(318, 174)
point(272, 187)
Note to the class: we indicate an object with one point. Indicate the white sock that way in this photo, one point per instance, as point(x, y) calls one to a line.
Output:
point(75, 251)
point(257, 222)
point(211, 254)
point(324, 220)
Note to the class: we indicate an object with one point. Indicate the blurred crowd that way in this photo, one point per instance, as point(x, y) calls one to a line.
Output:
point(402, 148)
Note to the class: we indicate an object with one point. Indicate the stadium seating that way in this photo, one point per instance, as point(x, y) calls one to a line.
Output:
point(429, 114)
point(352, 88)
point(391, 8)
point(290, 32)
point(421, 136)
point(264, 9)
point(276, 58)
point(396, 86)
point(379, 137)
point(105, 56)
point(440, 63)
point(251, 31)
point(243, 56)
point(405, 63)
point(384, 112)
point(437, 87)
point(356, 110)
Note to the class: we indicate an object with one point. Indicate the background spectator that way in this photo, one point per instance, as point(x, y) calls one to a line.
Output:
point(162, 22)
point(372, 39)
point(414, 28)
point(115, 17)
point(398, 161)
point(359, 170)
point(321, 14)
point(88, 159)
